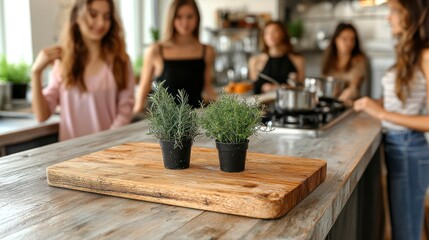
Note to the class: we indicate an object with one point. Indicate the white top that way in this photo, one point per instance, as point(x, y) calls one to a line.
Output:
point(415, 103)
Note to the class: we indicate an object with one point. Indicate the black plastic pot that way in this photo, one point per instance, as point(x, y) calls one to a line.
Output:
point(232, 156)
point(19, 91)
point(176, 158)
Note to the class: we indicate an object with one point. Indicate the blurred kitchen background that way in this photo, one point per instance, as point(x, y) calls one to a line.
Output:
point(232, 27)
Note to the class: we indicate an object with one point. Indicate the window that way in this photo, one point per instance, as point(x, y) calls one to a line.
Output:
point(2, 44)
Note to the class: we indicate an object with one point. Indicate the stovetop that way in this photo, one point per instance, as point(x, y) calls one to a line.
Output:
point(314, 123)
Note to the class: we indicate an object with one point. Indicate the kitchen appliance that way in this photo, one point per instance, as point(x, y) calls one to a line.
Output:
point(293, 98)
point(306, 123)
point(325, 87)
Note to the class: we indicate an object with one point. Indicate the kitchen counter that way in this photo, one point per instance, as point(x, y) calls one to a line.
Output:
point(23, 128)
point(30, 208)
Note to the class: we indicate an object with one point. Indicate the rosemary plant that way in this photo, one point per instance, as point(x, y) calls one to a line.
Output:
point(231, 120)
point(170, 120)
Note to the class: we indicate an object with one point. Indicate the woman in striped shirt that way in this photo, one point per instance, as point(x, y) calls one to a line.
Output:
point(405, 99)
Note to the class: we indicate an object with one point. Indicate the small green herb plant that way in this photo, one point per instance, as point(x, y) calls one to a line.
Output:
point(14, 73)
point(170, 120)
point(231, 120)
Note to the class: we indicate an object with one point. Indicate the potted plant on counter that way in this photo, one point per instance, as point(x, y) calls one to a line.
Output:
point(17, 75)
point(231, 121)
point(175, 124)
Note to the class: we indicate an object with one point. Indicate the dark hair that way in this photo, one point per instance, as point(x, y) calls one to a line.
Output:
point(331, 54)
point(75, 53)
point(170, 31)
point(411, 43)
point(285, 40)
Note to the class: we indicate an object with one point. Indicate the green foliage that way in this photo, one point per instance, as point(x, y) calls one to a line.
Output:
point(138, 63)
point(154, 32)
point(231, 120)
point(14, 73)
point(171, 121)
point(296, 28)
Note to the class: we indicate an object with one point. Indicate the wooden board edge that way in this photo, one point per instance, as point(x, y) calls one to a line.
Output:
point(272, 210)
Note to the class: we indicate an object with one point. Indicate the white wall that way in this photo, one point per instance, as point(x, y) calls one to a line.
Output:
point(130, 10)
point(44, 24)
point(17, 31)
point(208, 10)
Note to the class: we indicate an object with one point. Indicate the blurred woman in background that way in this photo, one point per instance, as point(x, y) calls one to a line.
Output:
point(181, 60)
point(405, 99)
point(344, 60)
point(92, 78)
point(277, 61)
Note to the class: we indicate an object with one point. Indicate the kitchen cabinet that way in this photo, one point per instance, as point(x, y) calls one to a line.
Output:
point(346, 200)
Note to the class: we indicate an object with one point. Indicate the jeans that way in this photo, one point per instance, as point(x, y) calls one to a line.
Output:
point(407, 161)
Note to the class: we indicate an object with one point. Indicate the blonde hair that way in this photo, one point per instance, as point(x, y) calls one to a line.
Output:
point(75, 53)
point(170, 32)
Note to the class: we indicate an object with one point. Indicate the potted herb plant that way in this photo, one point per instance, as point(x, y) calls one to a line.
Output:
point(175, 123)
point(231, 122)
point(17, 75)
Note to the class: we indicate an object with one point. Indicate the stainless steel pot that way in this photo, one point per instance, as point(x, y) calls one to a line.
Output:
point(295, 99)
point(325, 87)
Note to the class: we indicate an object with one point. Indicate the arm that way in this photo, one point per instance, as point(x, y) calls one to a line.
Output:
point(419, 123)
point(299, 63)
point(357, 75)
point(124, 110)
point(209, 92)
point(43, 106)
point(146, 76)
point(253, 72)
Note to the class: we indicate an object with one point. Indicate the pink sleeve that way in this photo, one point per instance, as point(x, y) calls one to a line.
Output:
point(125, 102)
point(52, 91)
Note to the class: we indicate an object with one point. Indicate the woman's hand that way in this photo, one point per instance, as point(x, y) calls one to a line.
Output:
point(45, 57)
point(268, 87)
point(370, 106)
point(347, 96)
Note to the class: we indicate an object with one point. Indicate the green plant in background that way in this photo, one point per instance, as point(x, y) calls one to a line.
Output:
point(170, 120)
point(14, 73)
point(231, 120)
point(154, 32)
point(296, 28)
point(3, 67)
point(137, 66)
point(18, 73)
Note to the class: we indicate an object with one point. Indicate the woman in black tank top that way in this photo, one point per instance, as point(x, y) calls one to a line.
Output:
point(277, 60)
point(181, 60)
point(176, 74)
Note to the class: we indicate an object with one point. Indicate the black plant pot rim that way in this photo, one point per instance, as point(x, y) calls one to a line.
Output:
point(183, 141)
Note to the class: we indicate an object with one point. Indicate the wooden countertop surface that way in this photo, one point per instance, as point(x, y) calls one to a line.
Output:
point(30, 208)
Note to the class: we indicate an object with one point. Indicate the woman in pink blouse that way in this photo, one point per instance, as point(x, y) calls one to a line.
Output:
point(92, 79)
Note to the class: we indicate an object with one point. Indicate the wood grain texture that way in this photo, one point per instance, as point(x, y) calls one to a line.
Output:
point(31, 209)
point(269, 187)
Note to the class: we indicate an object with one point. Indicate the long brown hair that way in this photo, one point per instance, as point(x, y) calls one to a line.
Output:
point(170, 31)
point(330, 58)
point(285, 40)
point(412, 42)
point(75, 53)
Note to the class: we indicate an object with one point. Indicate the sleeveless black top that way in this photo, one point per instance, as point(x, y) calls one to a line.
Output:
point(187, 74)
point(277, 68)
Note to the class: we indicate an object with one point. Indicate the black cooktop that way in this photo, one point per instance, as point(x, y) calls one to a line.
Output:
point(326, 110)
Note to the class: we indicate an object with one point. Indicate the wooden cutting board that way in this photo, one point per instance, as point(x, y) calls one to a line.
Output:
point(270, 186)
